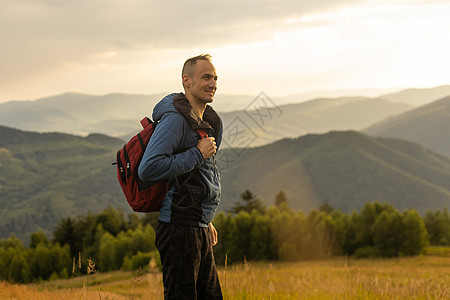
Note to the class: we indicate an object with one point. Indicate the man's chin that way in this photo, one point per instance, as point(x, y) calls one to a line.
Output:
point(208, 99)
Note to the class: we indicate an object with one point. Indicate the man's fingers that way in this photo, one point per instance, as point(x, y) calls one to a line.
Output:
point(207, 147)
point(215, 240)
point(214, 235)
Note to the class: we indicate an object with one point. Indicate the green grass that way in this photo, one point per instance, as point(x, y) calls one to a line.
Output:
point(437, 251)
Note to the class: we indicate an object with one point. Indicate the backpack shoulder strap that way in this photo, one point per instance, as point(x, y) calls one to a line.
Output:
point(202, 133)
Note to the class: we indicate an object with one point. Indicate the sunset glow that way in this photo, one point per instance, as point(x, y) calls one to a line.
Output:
point(48, 49)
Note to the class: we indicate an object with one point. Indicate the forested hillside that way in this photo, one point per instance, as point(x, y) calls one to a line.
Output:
point(45, 177)
point(345, 169)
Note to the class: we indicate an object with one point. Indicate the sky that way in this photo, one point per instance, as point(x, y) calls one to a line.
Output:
point(49, 47)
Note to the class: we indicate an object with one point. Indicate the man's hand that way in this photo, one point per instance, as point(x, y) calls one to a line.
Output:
point(214, 236)
point(207, 147)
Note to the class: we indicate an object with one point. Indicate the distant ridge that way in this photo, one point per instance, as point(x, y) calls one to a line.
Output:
point(118, 115)
point(80, 114)
point(418, 97)
point(315, 116)
point(428, 125)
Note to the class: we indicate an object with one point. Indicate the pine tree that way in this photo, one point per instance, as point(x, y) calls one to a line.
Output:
point(281, 198)
point(248, 203)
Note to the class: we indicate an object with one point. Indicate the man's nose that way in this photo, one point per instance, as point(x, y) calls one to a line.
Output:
point(212, 84)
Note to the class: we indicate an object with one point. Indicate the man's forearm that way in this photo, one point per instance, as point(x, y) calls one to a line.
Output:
point(164, 167)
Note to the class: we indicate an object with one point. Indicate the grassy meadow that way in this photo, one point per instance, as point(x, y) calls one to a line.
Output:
point(420, 277)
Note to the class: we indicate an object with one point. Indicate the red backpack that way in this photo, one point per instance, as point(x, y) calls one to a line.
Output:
point(143, 196)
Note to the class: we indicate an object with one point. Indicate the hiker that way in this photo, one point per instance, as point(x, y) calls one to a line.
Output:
point(178, 154)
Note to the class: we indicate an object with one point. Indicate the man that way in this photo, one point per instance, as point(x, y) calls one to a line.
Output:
point(177, 153)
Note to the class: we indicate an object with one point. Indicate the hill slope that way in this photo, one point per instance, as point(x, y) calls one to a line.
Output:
point(418, 97)
point(315, 116)
point(428, 125)
point(346, 169)
point(44, 177)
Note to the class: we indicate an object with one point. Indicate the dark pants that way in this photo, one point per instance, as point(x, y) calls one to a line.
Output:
point(189, 270)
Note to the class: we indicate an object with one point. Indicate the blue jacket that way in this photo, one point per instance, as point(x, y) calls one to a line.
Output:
point(171, 155)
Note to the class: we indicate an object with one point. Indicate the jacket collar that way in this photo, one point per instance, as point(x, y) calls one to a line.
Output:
point(211, 119)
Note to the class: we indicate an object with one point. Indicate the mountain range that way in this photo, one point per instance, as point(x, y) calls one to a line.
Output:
point(309, 150)
point(118, 115)
point(344, 169)
point(428, 125)
point(418, 97)
point(47, 176)
point(268, 124)
point(79, 114)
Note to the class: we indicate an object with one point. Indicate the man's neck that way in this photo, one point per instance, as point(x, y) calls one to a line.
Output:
point(198, 107)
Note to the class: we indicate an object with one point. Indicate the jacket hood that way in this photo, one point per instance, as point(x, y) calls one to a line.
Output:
point(178, 103)
point(163, 106)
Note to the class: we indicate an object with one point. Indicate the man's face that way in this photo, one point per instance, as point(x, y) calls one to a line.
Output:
point(203, 83)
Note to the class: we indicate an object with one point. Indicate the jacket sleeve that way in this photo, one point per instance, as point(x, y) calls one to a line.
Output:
point(160, 162)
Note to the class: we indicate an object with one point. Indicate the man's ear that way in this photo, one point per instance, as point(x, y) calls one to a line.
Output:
point(186, 81)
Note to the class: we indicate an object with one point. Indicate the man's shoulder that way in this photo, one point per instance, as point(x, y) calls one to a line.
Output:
point(172, 119)
point(172, 116)
point(164, 107)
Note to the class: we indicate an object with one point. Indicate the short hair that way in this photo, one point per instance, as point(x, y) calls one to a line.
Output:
point(189, 64)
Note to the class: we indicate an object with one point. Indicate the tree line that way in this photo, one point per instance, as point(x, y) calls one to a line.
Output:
point(250, 230)
point(110, 239)
point(280, 233)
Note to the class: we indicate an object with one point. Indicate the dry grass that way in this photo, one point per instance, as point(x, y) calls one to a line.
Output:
point(113, 285)
point(34, 292)
point(425, 277)
point(407, 278)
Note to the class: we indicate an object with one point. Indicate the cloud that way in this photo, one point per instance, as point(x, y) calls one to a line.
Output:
point(159, 23)
point(69, 44)
point(41, 37)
